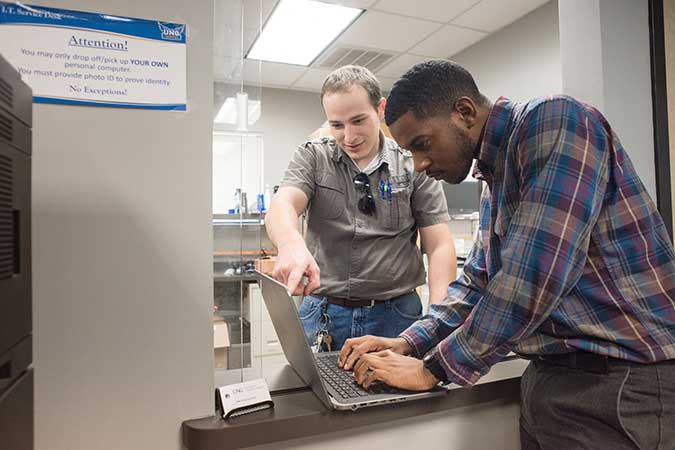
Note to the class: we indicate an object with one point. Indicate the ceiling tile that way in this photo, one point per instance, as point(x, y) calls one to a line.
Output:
point(228, 25)
point(436, 10)
point(491, 15)
point(250, 34)
point(272, 73)
point(312, 80)
point(448, 41)
point(226, 30)
point(387, 31)
point(227, 58)
point(400, 65)
point(363, 4)
point(383, 27)
point(252, 12)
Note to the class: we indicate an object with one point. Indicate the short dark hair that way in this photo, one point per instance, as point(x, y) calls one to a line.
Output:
point(342, 79)
point(430, 88)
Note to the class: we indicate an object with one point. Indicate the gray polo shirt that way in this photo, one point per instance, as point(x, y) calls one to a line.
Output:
point(365, 256)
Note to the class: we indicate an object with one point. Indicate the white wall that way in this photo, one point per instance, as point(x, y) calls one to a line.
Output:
point(608, 66)
point(626, 63)
point(522, 60)
point(237, 159)
point(122, 258)
point(288, 117)
point(581, 46)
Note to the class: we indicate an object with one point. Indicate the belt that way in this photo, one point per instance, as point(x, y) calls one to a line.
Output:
point(352, 303)
point(589, 362)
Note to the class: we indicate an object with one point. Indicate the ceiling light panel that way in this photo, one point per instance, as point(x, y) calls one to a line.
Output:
point(299, 30)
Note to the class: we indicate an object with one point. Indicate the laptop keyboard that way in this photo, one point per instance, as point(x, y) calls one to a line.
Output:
point(343, 381)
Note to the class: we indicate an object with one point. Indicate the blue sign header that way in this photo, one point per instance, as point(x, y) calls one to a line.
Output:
point(19, 13)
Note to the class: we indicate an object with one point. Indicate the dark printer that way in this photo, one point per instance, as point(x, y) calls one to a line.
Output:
point(16, 373)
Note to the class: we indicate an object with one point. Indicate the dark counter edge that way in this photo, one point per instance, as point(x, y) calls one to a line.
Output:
point(300, 414)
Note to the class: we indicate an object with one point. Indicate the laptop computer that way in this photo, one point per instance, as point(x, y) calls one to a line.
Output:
point(335, 387)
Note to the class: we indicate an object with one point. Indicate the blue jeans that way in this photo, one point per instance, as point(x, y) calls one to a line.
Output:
point(388, 318)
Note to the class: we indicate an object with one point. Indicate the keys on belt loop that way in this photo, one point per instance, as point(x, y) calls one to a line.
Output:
point(323, 341)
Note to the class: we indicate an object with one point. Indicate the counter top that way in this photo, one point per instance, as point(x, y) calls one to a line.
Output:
point(220, 277)
point(299, 413)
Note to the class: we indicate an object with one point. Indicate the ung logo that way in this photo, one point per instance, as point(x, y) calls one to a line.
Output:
point(171, 32)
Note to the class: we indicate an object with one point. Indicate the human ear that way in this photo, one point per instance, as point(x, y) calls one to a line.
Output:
point(380, 107)
point(466, 109)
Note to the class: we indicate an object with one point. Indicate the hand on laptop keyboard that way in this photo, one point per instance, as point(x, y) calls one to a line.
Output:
point(343, 380)
point(354, 348)
point(396, 370)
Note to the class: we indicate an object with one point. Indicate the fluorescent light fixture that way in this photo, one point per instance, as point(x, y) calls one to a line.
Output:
point(299, 30)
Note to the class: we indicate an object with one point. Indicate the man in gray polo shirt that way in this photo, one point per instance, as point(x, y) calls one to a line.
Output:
point(365, 205)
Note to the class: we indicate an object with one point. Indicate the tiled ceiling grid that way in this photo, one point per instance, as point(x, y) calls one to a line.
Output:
point(392, 34)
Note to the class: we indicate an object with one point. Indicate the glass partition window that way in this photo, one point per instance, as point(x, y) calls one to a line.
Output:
point(237, 172)
point(244, 339)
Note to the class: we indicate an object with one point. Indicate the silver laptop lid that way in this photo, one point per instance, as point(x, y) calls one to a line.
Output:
point(284, 315)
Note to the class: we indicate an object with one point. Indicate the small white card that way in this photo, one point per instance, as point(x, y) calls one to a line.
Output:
point(243, 398)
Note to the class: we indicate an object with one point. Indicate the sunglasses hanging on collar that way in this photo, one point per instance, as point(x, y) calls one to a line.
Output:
point(366, 201)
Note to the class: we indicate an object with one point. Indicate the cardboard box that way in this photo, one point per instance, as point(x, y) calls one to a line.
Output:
point(265, 265)
point(221, 342)
point(220, 356)
point(221, 335)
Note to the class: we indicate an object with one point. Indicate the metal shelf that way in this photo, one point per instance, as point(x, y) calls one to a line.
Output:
point(230, 278)
point(237, 222)
point(238, 219)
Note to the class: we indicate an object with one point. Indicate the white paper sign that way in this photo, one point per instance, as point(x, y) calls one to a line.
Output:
point(79, 58)
point(243, 398)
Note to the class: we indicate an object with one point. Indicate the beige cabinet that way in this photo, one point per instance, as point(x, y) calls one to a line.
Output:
point(266, 351)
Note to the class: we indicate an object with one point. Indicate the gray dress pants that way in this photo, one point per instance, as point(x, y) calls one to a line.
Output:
point(631, 406)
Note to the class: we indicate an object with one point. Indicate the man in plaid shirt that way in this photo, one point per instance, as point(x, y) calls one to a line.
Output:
point(573, 268)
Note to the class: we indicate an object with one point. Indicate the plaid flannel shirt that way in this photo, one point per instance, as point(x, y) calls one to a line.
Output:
point(572, 253)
